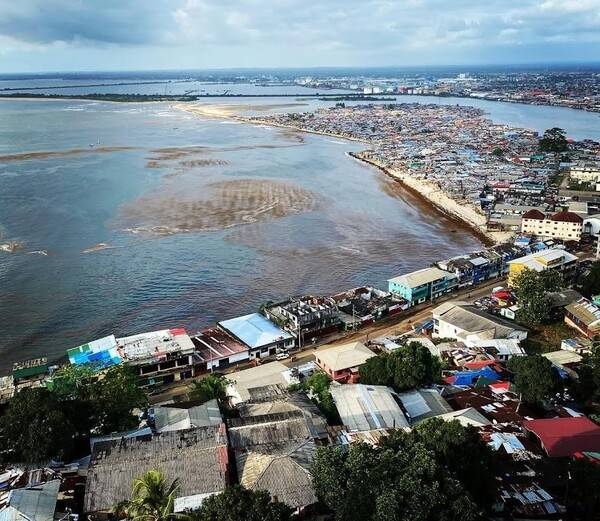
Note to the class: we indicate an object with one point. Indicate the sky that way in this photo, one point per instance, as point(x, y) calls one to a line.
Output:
point(80, 35)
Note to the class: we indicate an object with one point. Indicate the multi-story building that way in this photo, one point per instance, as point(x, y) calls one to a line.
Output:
point(422, 285)
point(555, 259)
point(305, 317)
point(584, 316)
point(563, 225)
point(585, 172)
point(159, 357)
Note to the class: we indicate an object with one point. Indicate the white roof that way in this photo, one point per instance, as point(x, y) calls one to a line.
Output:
point(368, 407)
point(539, 261)
point(271, 373)
point(423, 403)
point(154, 344)
point(466, 417)
point(420, 277)
point(255, 330)
point(563, 357)
point(345, 356)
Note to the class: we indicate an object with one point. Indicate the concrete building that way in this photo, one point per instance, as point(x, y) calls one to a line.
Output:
point(368, 407)
point(342, 362)
point(564, 225)
point(584, 316)
point(470, 325)
point(422, 285)
point(555, 259)
point(249, 381)
point(159, 357)
point(585, 172)
point(216, 349)
point(263, 337)
point(305, 317)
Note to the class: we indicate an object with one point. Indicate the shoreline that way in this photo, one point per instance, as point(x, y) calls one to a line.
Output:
point(465, 215)
point(427, 193)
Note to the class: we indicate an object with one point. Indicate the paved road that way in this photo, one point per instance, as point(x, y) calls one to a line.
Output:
point(394, 325)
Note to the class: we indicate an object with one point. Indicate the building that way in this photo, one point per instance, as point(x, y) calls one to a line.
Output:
point(186, 415)
point(551, 259)
point(584, 316)
point(33, 503)
point(565, 437)
point(100, 354)
point(585, 172)
point(470, 325)
point(263, 337)
point(198, 457)
point(422, 404)
point(423, 285)
point(366, 305)
point(305, 317)
point(159, 357)
point(217, 350)
point(249, 382)
point(342, 362)
point(563, 225)
point(368, 407)
point(274, 452)
point(466, 417)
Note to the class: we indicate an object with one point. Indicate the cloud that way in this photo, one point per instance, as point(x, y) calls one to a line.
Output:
point(297, 32)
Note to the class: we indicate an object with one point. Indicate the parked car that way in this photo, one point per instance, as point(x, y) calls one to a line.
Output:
point(282, 356)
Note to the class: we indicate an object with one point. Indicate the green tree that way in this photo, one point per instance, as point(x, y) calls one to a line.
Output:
point(238, 504)
point(403, 478)
point(208, 388)
point(152, 498)
point(408, 367)
point(35, 428)
point(590, 285)
point(414, 366)
point(376, 371)
point(113, 397)
point(583, 500)
point(462, 450)
point(317, 386)
point(534, 377)
point(554, 140)
point(531, 289)
point(498, 152)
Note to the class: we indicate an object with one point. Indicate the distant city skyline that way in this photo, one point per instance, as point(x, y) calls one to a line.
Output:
point(86, 35)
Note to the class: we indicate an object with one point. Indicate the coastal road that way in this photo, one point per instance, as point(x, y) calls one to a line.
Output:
point(394, 325)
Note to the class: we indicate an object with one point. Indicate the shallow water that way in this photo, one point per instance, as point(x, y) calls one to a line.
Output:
point(249, 214)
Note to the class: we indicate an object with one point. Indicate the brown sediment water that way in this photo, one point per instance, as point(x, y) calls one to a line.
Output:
point(214, 206)
point(61, 153)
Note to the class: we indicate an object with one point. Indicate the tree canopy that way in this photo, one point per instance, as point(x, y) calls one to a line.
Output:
point(317, 386)
point(408, 367)
point(424, 475)
point(554, 140)
point(208, 388)
point(152, 498)
point(239, 504)
point(531, 289)
point(42, 423)
point(35, 428)
point(534, 377)
point(590, 285)
point(583, 500)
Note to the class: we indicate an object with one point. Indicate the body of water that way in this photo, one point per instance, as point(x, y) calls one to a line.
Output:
point(135, 217)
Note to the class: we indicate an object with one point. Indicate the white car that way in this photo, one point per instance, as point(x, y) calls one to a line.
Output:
point(282, 356)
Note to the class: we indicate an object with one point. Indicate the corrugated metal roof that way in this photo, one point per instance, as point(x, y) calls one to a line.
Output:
point(255, 330)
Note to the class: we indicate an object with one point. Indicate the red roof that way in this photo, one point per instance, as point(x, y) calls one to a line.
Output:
point(478, 364)
point(534, 214)
point(562, 437)
point(567, 217)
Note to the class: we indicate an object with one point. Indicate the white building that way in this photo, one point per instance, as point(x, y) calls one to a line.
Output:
point(470, 325)
point(563, 225)
point(585, 172)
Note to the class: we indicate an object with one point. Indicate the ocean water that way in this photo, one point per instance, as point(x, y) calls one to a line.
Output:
point(135, 217)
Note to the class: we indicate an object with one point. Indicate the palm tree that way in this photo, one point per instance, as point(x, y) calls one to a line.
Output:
point(152, 498)
point(210, 387)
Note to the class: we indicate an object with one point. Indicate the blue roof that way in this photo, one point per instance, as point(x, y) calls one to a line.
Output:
point(470, 377)
point(255, 330)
